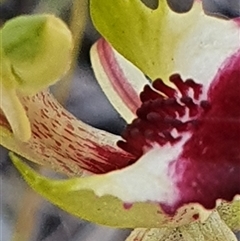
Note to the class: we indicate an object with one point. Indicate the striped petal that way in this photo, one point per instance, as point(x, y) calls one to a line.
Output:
point(213, 229)
point(161, 42)
point(120, 80)
point(61, 141)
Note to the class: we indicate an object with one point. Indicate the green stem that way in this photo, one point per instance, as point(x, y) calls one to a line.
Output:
point(77, 26)
point(26, 218)
point(15, 113)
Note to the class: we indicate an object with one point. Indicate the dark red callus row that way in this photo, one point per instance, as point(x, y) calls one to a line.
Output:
point(163, 109)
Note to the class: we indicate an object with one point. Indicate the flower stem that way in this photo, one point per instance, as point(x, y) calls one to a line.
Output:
point(15, 113)
point(77, 26)
point(26, 216)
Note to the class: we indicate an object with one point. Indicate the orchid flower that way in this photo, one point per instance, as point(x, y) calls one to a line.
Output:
point(177, 163)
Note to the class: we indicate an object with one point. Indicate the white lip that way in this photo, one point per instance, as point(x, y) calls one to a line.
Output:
point(152, 178)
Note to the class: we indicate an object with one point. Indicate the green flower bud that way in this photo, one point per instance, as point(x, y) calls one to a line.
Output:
point(6, 74)
point(38, 48)
point(35, 51)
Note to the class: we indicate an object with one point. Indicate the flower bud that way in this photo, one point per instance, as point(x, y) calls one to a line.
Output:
point(38, 48)
point(35, 51)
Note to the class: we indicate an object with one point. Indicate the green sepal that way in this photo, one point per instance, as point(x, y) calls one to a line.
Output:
point(133, 29)
point(161, 42)
point(76, 196)
point(230, 213)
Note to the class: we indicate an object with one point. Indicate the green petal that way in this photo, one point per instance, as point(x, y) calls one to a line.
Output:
point(230, 213)
point(214, 229)
point(161, 42)
point(77, 196)
point(132, 29)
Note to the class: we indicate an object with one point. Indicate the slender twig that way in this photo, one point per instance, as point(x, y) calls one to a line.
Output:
point(77, 26)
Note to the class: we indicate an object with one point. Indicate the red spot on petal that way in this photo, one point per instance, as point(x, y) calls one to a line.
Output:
point(72, 147)
point(45, 127)
point(58, 143)
point(195, 216)
point(127, 206)
point(4, 122)
point(237, 21)
point(70, 126)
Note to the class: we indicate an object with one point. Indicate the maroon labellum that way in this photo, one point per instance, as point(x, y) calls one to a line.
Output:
point(208, 167)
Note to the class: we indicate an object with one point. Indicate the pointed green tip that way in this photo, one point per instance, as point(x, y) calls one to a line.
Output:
point(71, 196)
point(77, 197)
